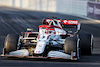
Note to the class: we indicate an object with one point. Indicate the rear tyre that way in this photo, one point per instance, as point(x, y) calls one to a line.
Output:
point(86, 43)
point(11, 42)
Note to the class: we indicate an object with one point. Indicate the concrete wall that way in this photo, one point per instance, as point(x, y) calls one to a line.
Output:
point(62, 6)
point(6, 2)
point(72, 7)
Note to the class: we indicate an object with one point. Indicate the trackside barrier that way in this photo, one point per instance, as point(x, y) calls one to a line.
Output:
point(93, 10)
point(77, 7)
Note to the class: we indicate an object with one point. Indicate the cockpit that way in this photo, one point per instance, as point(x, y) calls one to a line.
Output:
point(50, 31)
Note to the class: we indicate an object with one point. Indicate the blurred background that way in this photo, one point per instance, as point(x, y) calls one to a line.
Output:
point(90, 8)
point(18, 15)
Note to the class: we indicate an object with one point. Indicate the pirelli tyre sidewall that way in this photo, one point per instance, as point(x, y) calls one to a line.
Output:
point(70, 44)
point(86, 43)
point(11, 42)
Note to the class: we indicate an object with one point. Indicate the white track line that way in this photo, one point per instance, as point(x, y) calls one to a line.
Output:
point(8, 24)
point(25, 23)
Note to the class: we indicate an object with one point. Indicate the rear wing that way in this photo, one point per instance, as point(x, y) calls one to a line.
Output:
point(62, 22)
point(69, 22)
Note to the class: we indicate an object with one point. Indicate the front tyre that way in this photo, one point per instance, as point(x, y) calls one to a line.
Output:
point(70, 44)
point(11, 42)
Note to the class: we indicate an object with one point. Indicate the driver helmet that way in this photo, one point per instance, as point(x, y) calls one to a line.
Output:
point(50, 31)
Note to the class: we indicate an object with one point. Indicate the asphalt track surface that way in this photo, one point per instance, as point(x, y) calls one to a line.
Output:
point(15, 21)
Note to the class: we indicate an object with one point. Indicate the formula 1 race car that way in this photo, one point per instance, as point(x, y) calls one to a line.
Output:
point(56, 39)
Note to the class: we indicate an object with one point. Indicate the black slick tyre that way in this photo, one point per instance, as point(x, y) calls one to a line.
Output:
point(86, 43)
point(11, 42)
point(70, 44)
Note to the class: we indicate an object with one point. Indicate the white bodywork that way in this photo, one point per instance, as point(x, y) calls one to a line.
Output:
point(57, 54)
point(40, 47)
point(22, 52)
point(44, 38)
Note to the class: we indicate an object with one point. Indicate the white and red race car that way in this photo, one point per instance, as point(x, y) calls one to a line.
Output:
point(56, 39)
